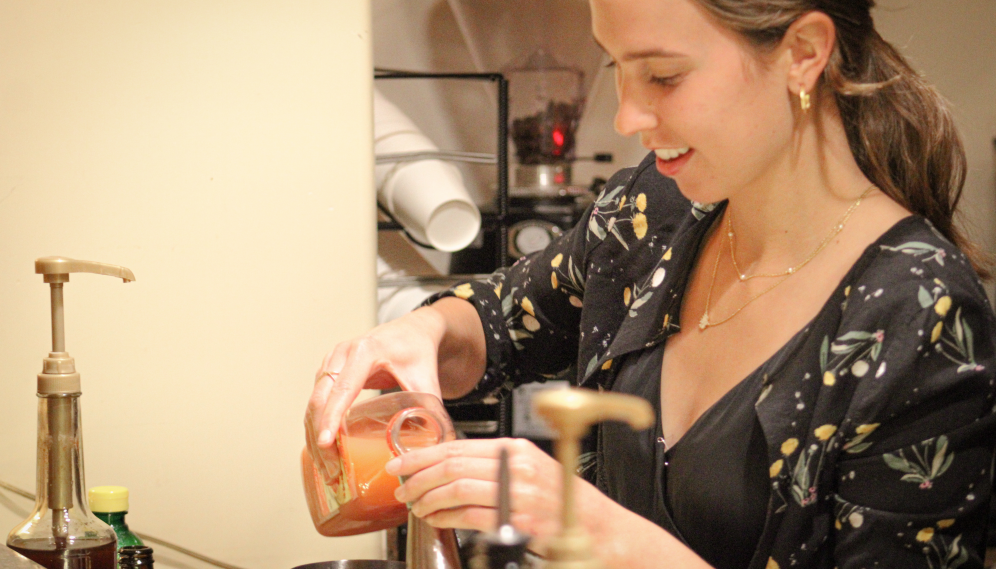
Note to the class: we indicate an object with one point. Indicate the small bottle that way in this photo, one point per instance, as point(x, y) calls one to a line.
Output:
point(135, 556)
point(110, 505)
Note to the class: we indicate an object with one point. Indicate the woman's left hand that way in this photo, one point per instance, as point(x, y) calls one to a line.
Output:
point(455, 485)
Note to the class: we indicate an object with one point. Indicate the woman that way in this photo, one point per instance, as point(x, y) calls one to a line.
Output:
point(819, 350)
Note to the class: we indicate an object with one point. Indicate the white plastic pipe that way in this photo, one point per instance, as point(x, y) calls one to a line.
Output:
point(427, 197)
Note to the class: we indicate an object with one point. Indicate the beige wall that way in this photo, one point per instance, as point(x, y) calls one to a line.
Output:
point(221, 150)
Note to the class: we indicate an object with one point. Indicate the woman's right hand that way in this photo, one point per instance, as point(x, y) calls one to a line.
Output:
point(406, 353)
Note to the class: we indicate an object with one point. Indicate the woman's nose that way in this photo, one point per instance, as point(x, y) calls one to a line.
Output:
point(635, 113)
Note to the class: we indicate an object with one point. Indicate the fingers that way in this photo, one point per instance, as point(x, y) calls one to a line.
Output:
point(333, 361)
point(468, 461)
point(486, 520)
point(314, 418)
point(325, 459)
point(430, 496)
point(319, 429)
point(397, 353)
point(418, 459)
point(462, 493)
point(455, 484)
point(467, 517)
point(365, 363)
point(354, 364)
point(375, 361)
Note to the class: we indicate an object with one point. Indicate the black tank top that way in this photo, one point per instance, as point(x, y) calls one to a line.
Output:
point(711, 489)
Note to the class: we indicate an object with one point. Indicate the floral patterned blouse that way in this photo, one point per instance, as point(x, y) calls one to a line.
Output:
point(879, 416)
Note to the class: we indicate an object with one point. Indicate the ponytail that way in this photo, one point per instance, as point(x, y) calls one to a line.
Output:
point(903, 136)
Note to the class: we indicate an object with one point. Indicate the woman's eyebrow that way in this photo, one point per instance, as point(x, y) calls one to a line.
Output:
point(642, 54)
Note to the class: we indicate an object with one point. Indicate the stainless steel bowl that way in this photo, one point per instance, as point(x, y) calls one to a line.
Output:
point(355, 564)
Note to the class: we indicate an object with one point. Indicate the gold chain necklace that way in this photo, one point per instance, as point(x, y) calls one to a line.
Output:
point(706, 322)
point(834, 231)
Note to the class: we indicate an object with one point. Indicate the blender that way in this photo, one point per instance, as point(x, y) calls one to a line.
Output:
point(546, 52)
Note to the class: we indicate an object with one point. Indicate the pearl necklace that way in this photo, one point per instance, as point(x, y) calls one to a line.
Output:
point(706, 322)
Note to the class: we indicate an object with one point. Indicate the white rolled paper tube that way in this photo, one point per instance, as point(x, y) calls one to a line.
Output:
point(428, 197)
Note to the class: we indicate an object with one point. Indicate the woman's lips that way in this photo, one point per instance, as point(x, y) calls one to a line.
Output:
point(671, 160)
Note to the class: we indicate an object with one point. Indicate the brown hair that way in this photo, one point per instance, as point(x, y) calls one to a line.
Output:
point(899, 128)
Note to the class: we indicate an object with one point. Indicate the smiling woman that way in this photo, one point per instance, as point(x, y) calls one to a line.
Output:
point(834, 406)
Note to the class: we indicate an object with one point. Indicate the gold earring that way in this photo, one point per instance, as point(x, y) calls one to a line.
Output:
point(804, 100)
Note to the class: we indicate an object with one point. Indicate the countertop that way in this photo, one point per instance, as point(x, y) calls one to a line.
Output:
point(10, 559)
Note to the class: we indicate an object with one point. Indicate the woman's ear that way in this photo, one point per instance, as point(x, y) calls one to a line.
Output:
point(809, 41)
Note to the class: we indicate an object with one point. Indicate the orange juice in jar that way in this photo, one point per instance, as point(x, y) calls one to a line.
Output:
point(361, 496)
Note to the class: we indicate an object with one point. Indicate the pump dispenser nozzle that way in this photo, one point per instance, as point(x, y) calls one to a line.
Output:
point(570, 412)
point(59, 369)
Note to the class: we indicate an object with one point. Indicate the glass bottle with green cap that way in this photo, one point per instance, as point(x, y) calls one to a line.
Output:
point(110, 504)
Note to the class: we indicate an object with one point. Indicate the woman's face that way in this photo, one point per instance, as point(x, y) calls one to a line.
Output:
point(718, 118)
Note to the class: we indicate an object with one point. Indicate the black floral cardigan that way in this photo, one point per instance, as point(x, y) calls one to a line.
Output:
point(879, 415)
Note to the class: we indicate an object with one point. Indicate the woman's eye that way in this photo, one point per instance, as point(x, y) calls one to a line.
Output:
point(668, 81)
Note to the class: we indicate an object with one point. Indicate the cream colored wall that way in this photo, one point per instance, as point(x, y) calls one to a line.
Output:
point(221, 150)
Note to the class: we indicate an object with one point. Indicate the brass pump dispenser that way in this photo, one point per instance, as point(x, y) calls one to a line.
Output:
point(61, 532)
point(571, 412)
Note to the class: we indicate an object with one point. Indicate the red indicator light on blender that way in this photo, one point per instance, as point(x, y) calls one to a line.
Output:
point(558, 137)
point(558, 142)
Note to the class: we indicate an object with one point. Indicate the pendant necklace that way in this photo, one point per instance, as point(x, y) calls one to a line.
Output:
point(706, 322)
